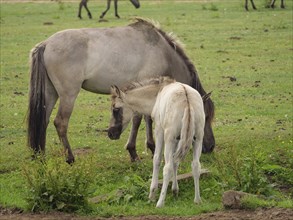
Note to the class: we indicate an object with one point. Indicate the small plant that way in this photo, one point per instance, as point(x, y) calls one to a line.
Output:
point(55, 185)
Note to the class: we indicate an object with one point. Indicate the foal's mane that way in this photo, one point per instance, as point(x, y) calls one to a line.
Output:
point(177, 46)
point(157, 81)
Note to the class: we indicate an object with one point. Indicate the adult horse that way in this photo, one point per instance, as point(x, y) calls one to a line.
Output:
point(272, 4)
point(94, 59)
point(83, 3)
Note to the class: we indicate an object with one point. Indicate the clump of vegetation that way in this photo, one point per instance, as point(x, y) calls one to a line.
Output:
point(56, 185)
point(243, 172)
point(133, 188)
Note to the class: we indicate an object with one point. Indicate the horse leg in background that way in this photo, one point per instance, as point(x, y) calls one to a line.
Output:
point(88, 11)
point(61, 123)
point(116, 8)
point(273, 4)
point(168, 170)
point(282, 4)
point(150, 143)
point(83, 3)
point(252, 3)
point(197, 148)
point(107, 9)
point(156, 162)
point(130, 146)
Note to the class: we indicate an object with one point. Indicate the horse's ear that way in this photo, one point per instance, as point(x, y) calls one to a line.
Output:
point(116, 91)
point(206, 96)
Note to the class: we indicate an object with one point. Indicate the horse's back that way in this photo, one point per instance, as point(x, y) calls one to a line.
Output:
point(100, 57)
point(172, 101)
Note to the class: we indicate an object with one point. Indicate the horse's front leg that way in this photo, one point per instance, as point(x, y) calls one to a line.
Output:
point(116, 8)
point(131, 143)
point(150, 143)
point(61, 123)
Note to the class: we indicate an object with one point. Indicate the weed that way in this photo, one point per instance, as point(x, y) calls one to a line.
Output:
point(243, 172)
point(55, 185)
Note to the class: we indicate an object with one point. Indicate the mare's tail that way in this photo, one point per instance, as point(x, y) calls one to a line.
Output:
point(37, 110)
point(186, 135)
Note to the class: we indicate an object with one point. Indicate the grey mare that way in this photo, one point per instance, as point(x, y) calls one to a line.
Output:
point(272, 4)
point(83, 3)
point(94, 59)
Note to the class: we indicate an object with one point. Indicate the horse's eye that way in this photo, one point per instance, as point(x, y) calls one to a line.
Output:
point(116, 110)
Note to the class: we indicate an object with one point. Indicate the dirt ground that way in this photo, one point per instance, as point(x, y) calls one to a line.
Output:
point(259, 214)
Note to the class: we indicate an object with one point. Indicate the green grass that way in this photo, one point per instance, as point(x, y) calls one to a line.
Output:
point(253, 124)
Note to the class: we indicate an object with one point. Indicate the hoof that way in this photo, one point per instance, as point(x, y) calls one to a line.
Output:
point(70, 160)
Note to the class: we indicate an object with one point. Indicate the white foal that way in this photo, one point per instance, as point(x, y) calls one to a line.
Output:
point(179, 116)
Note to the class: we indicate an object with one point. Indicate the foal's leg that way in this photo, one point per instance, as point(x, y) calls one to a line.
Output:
point(156, 162)
point(175, 187)
point(130, 146)
point(150, 143)
point(197, 147)
point(116, 8)
point(168, 168)
point(108, 7)
point(61, 123)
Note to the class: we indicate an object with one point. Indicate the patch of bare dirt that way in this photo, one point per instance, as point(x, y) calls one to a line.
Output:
point(258, 214)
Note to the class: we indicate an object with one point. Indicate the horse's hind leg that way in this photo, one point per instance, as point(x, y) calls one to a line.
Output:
point(88, 11)
point(253, 5)
point(156, 162)
point(116, 8)
point(80, 7)
point(130, 146)
point(61, 123)
point(108, 7)
point(168, 170)
point(150, 143)
point(197, 148)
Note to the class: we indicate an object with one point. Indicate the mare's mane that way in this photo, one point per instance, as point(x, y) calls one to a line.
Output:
point(178, 48)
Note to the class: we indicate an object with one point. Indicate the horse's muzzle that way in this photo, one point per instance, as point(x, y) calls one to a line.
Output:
point(114, 133)
point(135, 3)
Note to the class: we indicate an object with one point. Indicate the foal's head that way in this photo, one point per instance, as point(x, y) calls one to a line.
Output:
point(121, 114)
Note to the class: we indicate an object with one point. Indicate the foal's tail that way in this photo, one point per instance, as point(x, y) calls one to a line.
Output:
point(37, 111)
point(186, 135)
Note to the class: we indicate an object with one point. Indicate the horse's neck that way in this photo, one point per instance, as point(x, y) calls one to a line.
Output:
point(142, 100)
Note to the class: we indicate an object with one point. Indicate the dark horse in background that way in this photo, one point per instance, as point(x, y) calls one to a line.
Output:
point(95, 58)
point(83, 3)
point(272, 5)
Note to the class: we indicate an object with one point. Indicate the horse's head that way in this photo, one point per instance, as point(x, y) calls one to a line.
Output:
point(121, 114)
point(208, 139)
point(135, 3)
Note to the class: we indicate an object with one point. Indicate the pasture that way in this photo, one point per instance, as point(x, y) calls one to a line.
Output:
point(245, 58)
